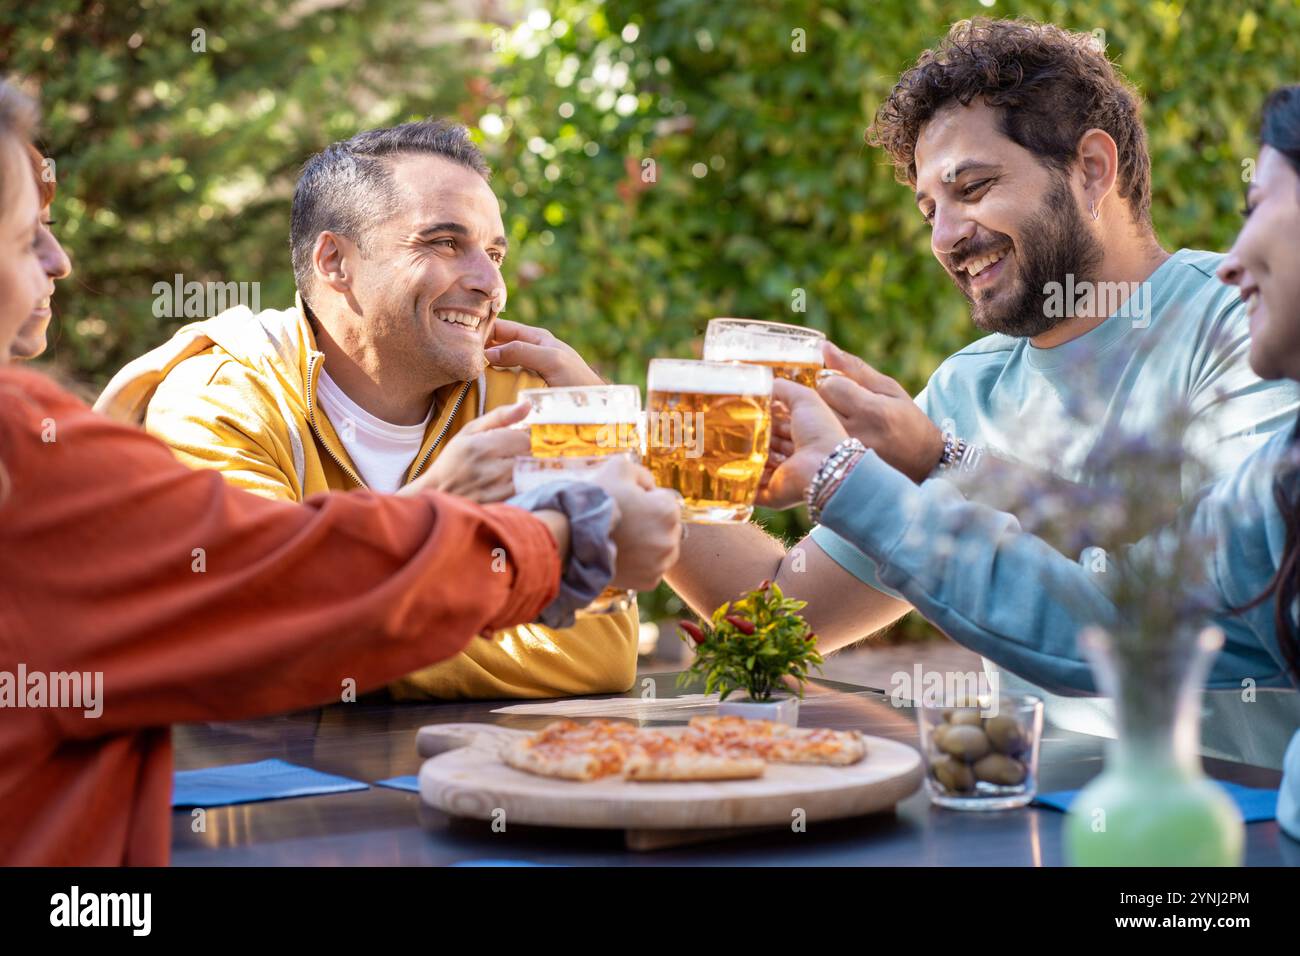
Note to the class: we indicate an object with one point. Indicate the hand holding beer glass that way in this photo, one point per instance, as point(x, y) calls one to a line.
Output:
point(708, 427)
point(572, 430)
point(582, 420)
point(790, 351)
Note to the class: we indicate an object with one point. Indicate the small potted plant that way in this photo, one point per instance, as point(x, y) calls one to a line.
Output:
point(753, 645)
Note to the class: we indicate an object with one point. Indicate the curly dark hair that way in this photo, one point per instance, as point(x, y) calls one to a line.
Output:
point(1050, 86)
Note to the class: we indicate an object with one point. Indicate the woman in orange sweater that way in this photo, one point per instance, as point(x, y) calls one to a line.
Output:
point(187, 600)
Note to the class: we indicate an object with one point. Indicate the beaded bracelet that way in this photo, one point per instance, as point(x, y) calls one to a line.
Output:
point(831, 474)
point(954, 450)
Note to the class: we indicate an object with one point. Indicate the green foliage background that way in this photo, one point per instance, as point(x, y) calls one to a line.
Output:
point(172, 160)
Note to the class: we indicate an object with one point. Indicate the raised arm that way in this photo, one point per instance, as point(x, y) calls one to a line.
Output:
point(1010, 596)
point(198, 601)
point(720, 562)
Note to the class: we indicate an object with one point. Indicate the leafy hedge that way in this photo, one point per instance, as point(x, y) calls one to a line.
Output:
point(661, 161)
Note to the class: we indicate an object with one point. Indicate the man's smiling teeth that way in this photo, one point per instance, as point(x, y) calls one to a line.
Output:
point(976, 266)
point(460, 318)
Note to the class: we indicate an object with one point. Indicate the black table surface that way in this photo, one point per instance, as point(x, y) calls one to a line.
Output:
point(385, 827)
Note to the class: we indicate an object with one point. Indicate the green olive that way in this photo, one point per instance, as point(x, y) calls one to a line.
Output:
point(937, 733)
point(1000, 769)
point(1005, 734)
point(969, 718)
point(968, 743)
point(953, 775)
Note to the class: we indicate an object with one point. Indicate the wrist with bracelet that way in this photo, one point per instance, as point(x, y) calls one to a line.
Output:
point(834, 469)
point(954, 450)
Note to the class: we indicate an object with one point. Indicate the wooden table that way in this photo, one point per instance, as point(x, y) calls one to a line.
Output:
point(384, 827)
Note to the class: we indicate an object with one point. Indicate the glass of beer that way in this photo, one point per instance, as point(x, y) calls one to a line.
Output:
point(791, 351)
point(708, 426)
point(532, 470)
point(583, 420)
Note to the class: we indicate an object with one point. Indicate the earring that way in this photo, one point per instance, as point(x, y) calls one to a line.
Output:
point(1092, 208)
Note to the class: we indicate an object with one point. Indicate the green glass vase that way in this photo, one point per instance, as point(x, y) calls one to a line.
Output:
point(1152, 805)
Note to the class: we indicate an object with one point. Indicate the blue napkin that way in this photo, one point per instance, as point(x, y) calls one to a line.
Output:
point(400, 783)
point(1255, 804)
point(250, 782)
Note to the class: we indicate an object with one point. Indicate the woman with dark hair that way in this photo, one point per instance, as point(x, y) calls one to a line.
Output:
point(147, 593)
point(1265, 265)
point(1014, 599)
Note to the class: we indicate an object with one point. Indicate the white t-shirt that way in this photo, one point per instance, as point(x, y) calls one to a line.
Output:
point(382, 452)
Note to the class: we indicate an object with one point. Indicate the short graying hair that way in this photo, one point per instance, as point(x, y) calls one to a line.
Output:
point(348, 187)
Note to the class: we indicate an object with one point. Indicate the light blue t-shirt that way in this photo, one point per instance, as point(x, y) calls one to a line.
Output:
point(1180, 338)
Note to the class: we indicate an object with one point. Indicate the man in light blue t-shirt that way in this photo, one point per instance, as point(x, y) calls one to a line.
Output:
point(1009, 398)
point(1036, 184)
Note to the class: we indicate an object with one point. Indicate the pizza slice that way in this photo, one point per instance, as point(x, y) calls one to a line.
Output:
point(572, 751)
point(657, 756)
point(568, 750)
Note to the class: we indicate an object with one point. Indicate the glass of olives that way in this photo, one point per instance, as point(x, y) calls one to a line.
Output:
point(982, 757)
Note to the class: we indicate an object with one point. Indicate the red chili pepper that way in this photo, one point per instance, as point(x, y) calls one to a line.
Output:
point(765, 585)
point(811, 637)
point(740, 624)
point(693, 631)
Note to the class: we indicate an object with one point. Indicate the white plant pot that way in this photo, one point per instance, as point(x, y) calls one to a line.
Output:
point(782, 710)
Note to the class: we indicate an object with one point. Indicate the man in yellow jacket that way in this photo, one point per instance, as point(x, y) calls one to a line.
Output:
point(397, 244)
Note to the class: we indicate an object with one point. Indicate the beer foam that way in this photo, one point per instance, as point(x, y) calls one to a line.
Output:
point(583, 405)
point(528, 480)
point(709, 378)
point(781, 349)
point(558, 413)
point(530, 473)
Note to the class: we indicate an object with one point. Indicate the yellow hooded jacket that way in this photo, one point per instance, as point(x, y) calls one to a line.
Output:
point(237, 393)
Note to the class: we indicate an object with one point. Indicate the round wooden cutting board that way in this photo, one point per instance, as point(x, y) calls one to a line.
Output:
point(467, 778)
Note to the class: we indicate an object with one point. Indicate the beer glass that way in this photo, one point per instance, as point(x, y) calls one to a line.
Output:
point(531, 471)
point(791, 351)
point(583, 420)
point(708, 427)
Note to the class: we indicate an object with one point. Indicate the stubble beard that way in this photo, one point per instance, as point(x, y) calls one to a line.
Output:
point(1054, 242)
